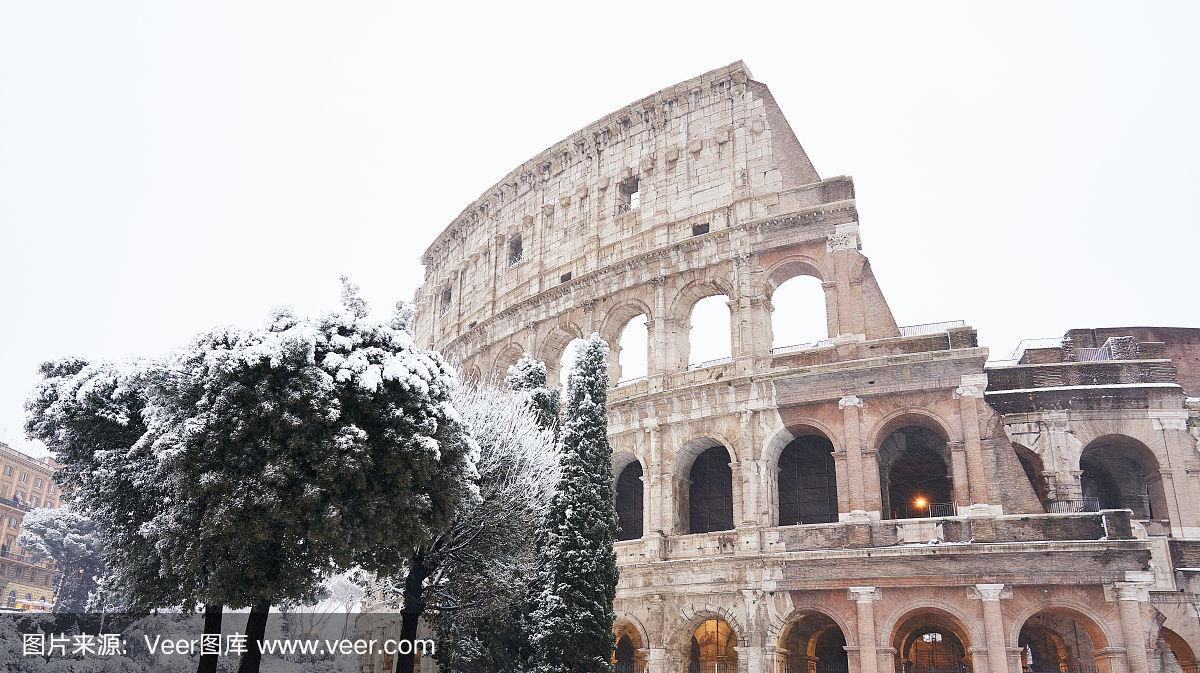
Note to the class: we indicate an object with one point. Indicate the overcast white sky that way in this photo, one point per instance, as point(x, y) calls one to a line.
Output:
point(169, 166)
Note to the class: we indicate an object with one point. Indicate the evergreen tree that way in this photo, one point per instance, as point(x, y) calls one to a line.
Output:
point(574, 616)
point(527, 378)
point(244, 468)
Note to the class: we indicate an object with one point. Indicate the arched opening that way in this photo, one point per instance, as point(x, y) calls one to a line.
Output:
point(710, 492)
point(624, 655)
point(709, 338)
point(1116, 474)
point(628, 654)
point(712, 648)
point(1121, 473)
point(807, 482)
point(914, 468)
point(566, 362)
point(508, 357)
point(931, 641)
point(629, 502)
point(1031, 464)
point(633, 359)
point(798, 315)
point(1059, 641)
point(815, 644)
point(1185, 657)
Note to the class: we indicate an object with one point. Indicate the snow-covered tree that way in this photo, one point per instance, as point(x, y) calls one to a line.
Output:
point(527, 378)
point(302, 447)
point(261, 460)
point(480, 566)
point(574, 616)
point(73, 541)
point(90, 416)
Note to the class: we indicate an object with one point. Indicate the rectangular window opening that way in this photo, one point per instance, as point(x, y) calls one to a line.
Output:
point(698, 229)
point(631, 196)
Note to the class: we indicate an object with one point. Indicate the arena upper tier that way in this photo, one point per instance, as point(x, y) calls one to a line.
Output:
point(881, 501)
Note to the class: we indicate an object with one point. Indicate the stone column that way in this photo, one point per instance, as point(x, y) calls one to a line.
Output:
point(656, 660)
point(1129, 596)
point(969, 395)
point(851, 406)
point(842, 245)
point(864, 599)
point(993, 624)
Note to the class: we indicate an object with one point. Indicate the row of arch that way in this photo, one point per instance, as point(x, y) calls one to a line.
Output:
point(925, 640)
point(796, 285)
point(915, 480)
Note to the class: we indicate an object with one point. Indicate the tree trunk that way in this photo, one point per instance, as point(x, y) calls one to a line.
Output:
point(256, 629)
point(414, 606)
point(212, 624)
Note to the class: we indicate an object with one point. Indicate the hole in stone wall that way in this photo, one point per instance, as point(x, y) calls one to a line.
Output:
point(709, 339)
point(515, 250)
point(634, 343)
point(798, 312)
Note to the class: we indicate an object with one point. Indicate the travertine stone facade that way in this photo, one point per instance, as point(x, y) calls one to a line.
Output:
point(1061, 498)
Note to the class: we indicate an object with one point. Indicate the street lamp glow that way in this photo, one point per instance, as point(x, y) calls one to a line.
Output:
point(920, 502)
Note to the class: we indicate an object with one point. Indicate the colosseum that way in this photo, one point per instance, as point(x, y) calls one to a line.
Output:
point(884, 499)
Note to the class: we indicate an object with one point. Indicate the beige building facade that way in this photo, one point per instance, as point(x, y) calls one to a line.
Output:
point(883, 500)
point(26, 581)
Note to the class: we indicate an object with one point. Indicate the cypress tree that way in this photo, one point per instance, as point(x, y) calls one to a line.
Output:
point(574, 616)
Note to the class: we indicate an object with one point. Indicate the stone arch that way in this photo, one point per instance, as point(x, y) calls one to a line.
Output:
point(918, 416)
point(629, 656)
point(1184, 655)
point(810, 315)
point(794, 427)
point(813, 641)
point(684, 305)
point(693, 616)
point(553, 346)
point(804, 480)
point(708, 486)
point(616, 321)
point(506, 357)
point(915, 461)
point(788, 268)
point(1055, 637)
point(1122, 472)
point(915, 654)
point(1098, 628)
point(630, 494)
point(689, 294)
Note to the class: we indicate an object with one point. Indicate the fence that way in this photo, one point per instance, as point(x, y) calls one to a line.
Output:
point(930, 510)
point(930, 327)
point(1093, 354)
point(1074, 505)
point(710, 363)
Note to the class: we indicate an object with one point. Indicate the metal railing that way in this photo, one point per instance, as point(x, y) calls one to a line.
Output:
point(711, 363)
point(712, 667)
point(1041, 342)
point(930, 327)
point(807, 665)
point(910, 667)
point(1074, 669)
point(623, 667)
point(1093, 354)
point(927, 511)
point(780, 350)
point(1074, 505)
point(629, 381)
point(1190, 668)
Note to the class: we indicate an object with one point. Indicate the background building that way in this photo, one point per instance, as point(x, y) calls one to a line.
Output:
point(882, 499)
point(26, 483)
